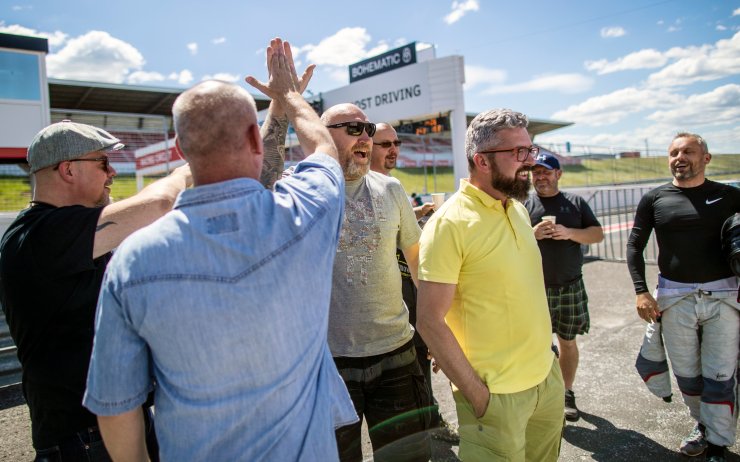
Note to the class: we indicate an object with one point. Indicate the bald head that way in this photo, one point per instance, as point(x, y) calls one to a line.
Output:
point(354, 151)
point(212, 118)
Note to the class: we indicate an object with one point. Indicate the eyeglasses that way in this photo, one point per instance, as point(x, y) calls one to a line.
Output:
point(356, 128)
point(103, 159)
point(521, 152)
point(388, 144)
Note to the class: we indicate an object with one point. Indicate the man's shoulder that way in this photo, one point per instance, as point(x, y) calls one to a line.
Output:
point(49, 220)
point(319, 160)
point(148, 241)
point(571, 197)
point(382, 180)
point(387, 185)
point(722, 187)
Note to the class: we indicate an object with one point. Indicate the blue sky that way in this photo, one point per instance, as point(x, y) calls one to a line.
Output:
point(626, 73)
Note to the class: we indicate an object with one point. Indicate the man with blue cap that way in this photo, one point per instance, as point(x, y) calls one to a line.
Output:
point(562, 223)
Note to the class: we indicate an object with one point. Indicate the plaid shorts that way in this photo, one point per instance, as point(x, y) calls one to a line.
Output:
point(569, 310)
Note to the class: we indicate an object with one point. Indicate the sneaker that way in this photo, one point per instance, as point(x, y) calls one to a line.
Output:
point(571, 411)
point(695, 443)
point(446, 432)
point(715, 453)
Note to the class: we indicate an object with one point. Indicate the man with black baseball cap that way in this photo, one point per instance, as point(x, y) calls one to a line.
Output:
point(562, 223)
point(52, 260)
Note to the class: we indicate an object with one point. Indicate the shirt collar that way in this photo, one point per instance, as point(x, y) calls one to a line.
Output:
point(478, 194)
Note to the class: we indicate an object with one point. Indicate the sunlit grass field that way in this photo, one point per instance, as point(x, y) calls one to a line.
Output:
point(15, 192)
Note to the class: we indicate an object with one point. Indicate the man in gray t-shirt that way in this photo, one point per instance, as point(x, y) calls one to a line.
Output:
point(369, 332)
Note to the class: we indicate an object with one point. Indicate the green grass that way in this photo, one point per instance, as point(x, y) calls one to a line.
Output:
point(15, 192)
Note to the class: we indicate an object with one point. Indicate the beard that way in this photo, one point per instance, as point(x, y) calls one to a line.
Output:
point(514, 188)
point(353, 170)
point(390, 164)
point(686, 174)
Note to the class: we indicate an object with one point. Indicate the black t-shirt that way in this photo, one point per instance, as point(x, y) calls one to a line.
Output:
point(408, 289)
point(561, 260)
point(49, 286)
point(687, 223)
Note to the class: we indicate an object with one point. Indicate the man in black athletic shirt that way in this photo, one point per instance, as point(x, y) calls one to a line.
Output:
point(52, 260)
point(696, 295)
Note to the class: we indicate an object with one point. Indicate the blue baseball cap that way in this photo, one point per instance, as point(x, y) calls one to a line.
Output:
point(547, 160)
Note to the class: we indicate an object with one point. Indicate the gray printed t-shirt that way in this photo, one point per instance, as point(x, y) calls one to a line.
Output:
point(367, 315)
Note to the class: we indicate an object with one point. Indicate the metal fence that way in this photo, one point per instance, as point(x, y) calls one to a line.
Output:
point(615, 208)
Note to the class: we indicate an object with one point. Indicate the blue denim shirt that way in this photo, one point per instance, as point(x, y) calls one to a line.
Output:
point(224, 304)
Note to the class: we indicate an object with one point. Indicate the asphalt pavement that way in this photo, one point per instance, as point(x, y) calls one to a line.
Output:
point(621, 420)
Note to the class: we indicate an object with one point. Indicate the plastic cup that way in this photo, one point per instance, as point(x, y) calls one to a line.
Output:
point(438, 199)
point(550, 218)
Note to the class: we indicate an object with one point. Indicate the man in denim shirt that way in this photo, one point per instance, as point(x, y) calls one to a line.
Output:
point(198, 304)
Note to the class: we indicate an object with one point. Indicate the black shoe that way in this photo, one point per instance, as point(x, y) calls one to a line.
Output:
point(694, 444)
point(715, 453)
point(571, 411)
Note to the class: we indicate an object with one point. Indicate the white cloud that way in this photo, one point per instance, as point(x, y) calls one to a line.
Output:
point(705, 63)
point(562, 83)
point(183, 77)
point(225, 76)
point(477, 75)
point(643, 59)
point(192, 48)
point(717, 107)
point(95, 56)
point(459, 9)
point(612, 32)
point(614, 107)
point(687, 65)
point(381, 47)
point(138, 77)
point(676, 26)
point(720, 27)
point(21, 7)
point(334, 53)
point(736, 12)
point(339, 75)
point(343, 48)
point(219, 40)
point(56, 38)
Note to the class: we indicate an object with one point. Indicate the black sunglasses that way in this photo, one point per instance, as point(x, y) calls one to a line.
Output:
point(103, 159)
point(387, 144)
point(356, 128)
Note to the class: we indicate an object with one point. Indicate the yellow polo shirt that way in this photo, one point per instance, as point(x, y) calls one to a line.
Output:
point(499, 313)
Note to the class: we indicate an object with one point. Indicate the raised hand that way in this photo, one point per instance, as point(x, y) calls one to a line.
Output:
point(282, 77)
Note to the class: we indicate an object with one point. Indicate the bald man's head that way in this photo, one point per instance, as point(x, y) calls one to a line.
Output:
point(385, 149)
point(212, 118)
point(354, 151)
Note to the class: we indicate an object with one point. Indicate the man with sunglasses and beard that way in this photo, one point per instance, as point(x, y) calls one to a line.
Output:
point(52, 260)
point(482, 308)
point(369, 332)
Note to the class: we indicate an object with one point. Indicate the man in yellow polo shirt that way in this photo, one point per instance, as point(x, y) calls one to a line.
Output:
point(482, 308)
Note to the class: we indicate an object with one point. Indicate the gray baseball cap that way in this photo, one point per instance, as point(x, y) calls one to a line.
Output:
point(67, 140)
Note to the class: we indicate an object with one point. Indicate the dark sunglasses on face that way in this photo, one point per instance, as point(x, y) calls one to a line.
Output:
point(356, 128)
point(103, 159)
point(387, 144)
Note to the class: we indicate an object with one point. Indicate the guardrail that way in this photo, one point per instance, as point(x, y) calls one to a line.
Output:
point(615, 208)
